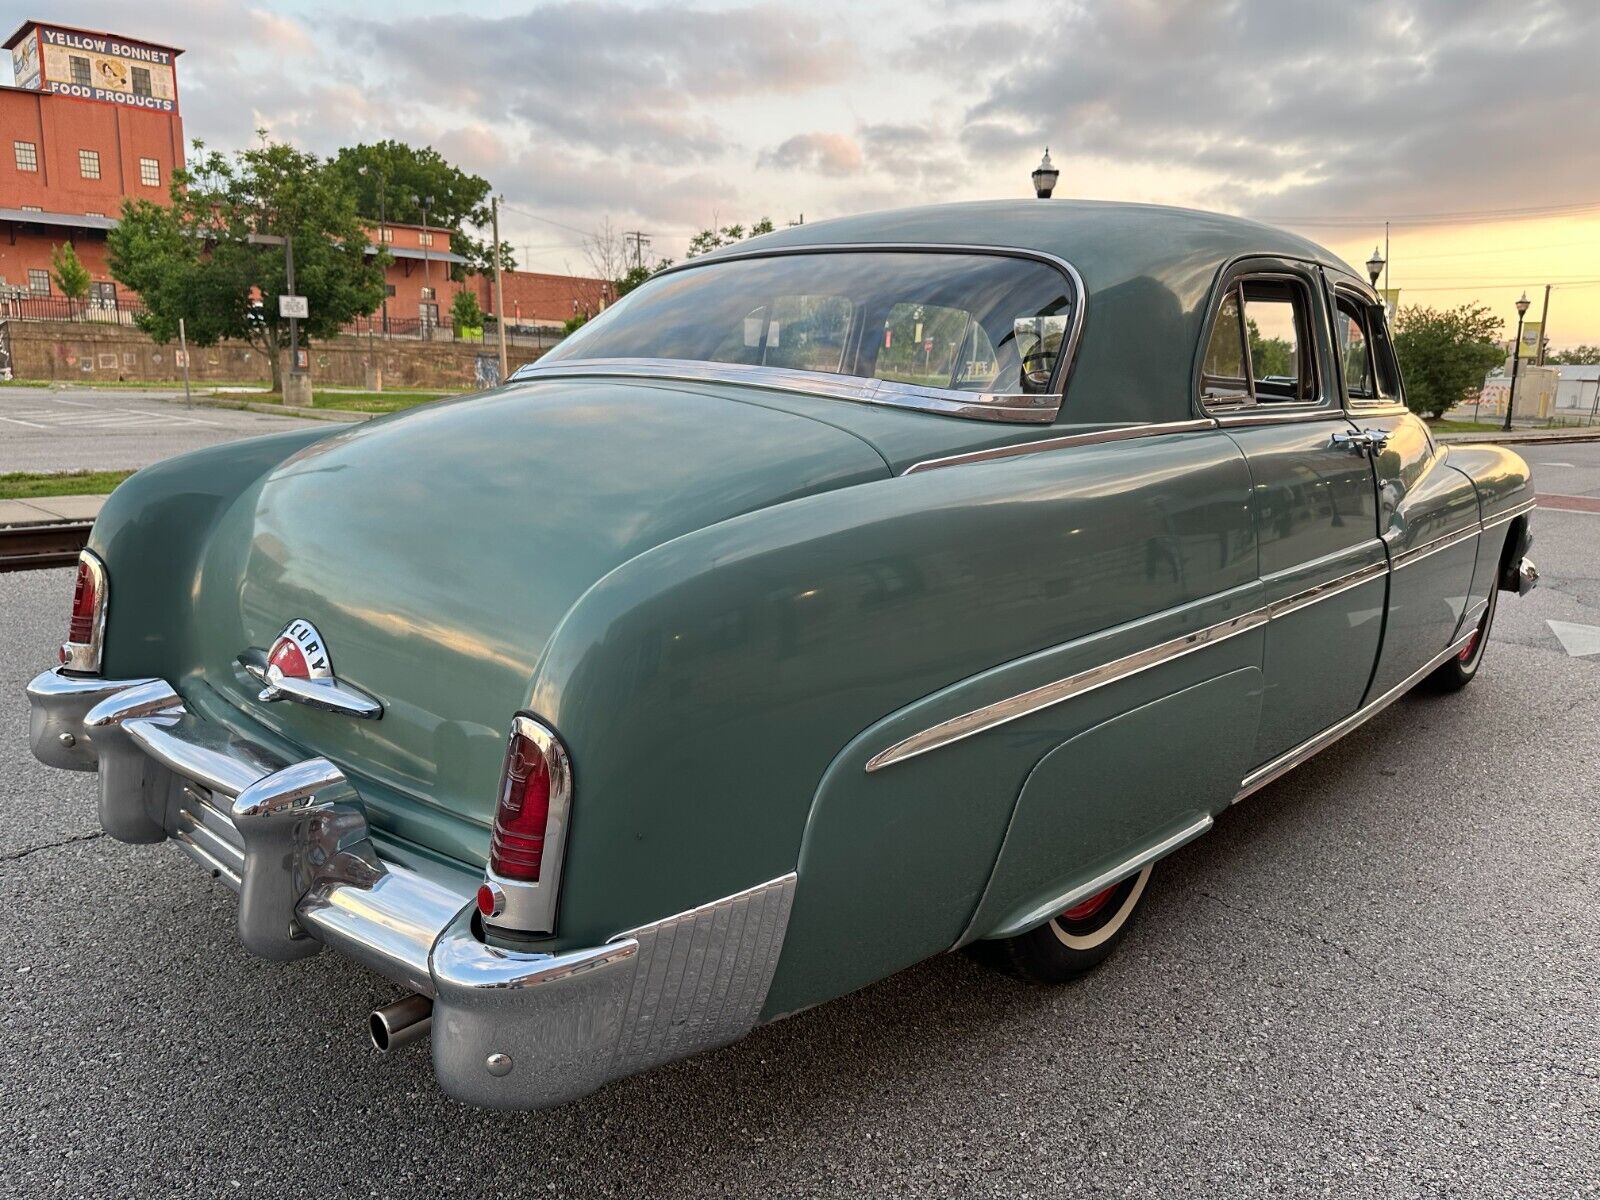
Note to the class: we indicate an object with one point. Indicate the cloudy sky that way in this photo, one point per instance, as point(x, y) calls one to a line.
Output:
point(1471, 125)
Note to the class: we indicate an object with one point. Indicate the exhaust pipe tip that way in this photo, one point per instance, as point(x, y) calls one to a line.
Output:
point(400, 1023)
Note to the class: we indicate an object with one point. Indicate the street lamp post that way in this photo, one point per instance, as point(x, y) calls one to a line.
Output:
point(427, 274)
point(383, 187)
point(1516, 361)
point(1045, 176)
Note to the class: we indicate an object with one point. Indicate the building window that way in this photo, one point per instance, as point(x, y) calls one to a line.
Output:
point(39, 281)
point(149, 172)
point(80, 70)
point(89, 164)
point(388, 289)
point(386, 235)
point(427, 293)
point(103, 294)
point(141, 81)
point(31, 208)
point(94, 214)
point(424, 238)
point(27, 156)
point(429, 314)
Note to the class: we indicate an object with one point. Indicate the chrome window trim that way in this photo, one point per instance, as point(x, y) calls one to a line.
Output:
point(1253, 416)
point(526, 906)
point(84, 657)
point(1013, 708)
point(1120, 433)
point(1232, 274)
point(1019, 408)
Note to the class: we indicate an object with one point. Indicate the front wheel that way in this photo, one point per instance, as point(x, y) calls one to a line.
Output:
point(1458, 671)
point(1078, 939)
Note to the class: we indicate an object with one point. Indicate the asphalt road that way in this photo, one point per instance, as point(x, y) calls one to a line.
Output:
point(96, 429)
point(1377, 977)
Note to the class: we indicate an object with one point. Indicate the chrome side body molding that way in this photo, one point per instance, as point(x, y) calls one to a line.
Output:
point(511, 1028)
point(1025, 703)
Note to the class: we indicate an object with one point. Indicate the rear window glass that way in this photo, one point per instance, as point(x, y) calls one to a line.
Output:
point(957, 322)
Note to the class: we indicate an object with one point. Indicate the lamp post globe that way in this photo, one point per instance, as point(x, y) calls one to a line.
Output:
point(1374, 266)
point(1045, 176)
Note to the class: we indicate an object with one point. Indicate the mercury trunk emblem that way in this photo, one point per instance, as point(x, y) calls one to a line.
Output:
point(297, 668)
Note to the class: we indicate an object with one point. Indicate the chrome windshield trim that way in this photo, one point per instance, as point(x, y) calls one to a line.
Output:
point(1017, 408)
point(1013, 708)
point(1120, 433)
point(1327, 589)
point(1434, 546)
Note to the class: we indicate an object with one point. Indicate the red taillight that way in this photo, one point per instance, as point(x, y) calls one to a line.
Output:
point(81, 651)
point(85, 602)
point(521, 819)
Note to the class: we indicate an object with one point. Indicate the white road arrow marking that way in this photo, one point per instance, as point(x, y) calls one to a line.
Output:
point(1555, 464)
point(1579, 641)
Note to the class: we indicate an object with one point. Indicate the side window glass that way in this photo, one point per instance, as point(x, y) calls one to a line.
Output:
point(924, 343)
point(1355, 353)
point(1383, 359)
point(1275, 326)
point(1222, 376)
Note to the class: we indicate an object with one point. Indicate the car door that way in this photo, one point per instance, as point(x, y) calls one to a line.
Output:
point(1267, 378)
point(1427, 511)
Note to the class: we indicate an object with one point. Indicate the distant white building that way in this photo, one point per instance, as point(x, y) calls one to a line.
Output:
point(1578, 389)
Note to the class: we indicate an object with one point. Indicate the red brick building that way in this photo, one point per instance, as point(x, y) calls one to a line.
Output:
point(542, 300)
point(92, 118)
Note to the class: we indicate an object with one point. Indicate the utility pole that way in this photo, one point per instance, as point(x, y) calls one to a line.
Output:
point(294, 322)
point(499, 293)
point(1544, 327)
point(639, 240)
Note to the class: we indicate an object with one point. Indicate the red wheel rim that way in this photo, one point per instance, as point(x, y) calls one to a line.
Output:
point(1085, 909)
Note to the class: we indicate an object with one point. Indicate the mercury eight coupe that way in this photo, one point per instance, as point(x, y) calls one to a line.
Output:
point(865, 591)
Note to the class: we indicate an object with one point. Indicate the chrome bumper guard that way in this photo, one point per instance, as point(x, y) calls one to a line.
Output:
point(511, 1029)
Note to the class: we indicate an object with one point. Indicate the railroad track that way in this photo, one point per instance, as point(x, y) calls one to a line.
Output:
point(41, 544)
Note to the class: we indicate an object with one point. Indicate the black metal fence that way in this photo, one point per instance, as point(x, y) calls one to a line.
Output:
point(59, 308)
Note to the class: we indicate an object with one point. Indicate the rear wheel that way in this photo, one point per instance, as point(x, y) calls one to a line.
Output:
point(1460, 670)
point(1077, 939)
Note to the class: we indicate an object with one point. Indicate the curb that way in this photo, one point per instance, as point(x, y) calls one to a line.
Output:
point(1521, 437)
point(281, 410)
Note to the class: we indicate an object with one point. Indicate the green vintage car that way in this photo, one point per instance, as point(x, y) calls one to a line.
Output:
point(868, 590)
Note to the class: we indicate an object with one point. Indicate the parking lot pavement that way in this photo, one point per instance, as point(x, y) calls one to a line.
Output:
point(1376, 977)
point(96, 429)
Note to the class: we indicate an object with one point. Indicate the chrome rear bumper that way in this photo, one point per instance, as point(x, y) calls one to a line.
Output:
point(511, 1029)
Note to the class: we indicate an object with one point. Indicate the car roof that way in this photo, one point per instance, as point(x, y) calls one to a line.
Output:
point(1147, 270)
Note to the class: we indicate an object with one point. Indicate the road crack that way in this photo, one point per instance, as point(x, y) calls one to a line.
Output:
point(18, 855)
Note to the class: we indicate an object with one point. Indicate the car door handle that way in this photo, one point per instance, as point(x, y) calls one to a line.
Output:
point(1362, 441)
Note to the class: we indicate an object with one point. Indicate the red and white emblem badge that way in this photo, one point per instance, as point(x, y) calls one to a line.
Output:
point(299, 653)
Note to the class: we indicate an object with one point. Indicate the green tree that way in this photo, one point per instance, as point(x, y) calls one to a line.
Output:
point(1270, 356)
point(398, 177)
point(465, 312)
point(215, 256)
point(1444, 353)
point(715, 238)
point(71, 276)
point(1577, 356)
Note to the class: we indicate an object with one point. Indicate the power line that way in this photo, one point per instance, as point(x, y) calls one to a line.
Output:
point(1459, 217)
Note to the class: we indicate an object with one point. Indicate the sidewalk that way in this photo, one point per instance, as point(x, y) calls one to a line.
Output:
point(50, 508)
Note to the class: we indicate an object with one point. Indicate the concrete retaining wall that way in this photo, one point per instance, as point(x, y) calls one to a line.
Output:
point(65, 351)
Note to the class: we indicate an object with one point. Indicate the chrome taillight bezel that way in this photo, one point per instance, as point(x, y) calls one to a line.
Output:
point(523, 906)
point(83, 658)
